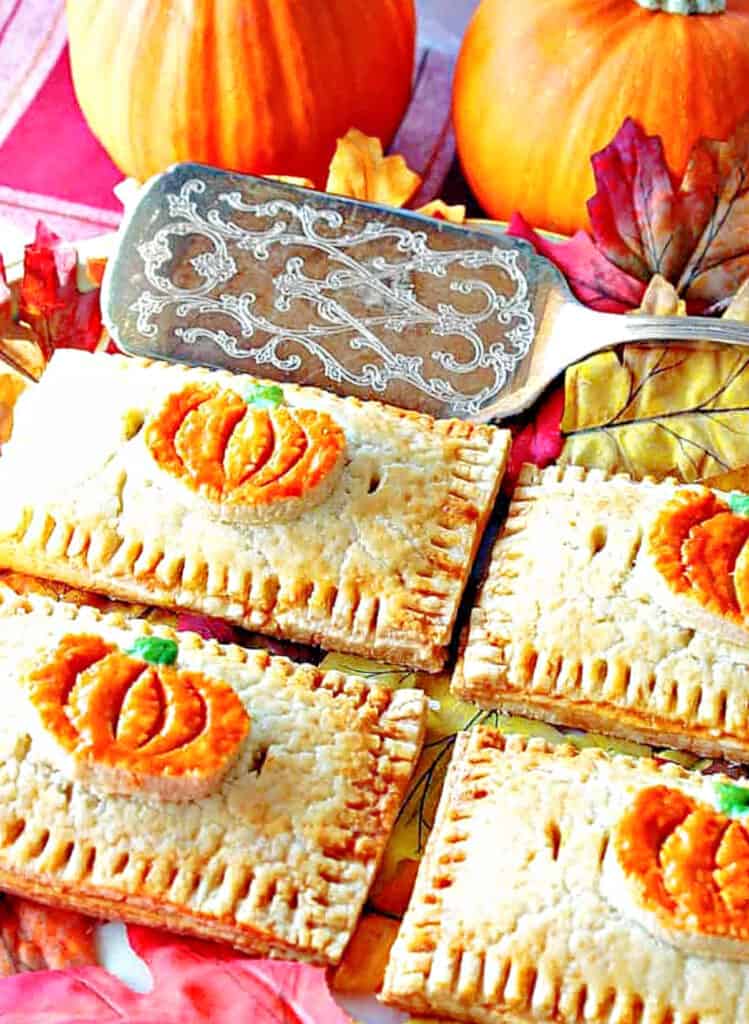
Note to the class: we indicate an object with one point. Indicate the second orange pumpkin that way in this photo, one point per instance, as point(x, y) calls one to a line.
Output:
point(542, 85)
point(263, 86)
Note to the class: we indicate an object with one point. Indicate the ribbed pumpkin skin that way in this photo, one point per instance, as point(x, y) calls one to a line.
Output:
point(263, 86)
point(541, 85)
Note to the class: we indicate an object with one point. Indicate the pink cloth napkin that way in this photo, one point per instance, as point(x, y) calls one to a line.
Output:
point(51, 166)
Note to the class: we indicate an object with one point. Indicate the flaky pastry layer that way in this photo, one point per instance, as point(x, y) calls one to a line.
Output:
point(277, 861)
point(377, 567)
point(572, 625)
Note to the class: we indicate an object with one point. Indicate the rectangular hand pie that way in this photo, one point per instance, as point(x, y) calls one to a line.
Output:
point(287, 510)
point(565, 887)
point(618, 606)
point(153, 776)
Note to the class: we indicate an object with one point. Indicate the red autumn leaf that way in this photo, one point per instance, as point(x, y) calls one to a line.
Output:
point(208, 628)
point(6, 302)
point(540, 441)
point(194, 983)
point(642, 222)
point(50, 302)
point(38, 938)
point(645, 222)
point(593, 279)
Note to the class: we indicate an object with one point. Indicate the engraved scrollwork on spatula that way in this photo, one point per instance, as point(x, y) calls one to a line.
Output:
point(344, 293)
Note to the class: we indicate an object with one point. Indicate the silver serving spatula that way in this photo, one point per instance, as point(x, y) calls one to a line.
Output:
point(248, 274)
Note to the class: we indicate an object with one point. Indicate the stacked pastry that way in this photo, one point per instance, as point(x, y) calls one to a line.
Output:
point(231, 794)
point(571, 886)
point(151, 776)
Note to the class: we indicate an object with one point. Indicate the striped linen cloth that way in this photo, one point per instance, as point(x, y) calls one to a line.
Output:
point(51, 166)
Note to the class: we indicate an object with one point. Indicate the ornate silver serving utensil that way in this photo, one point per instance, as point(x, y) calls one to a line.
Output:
point(248, 274)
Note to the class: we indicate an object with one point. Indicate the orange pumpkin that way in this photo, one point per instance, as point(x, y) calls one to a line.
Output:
point(542, 85)
point(698, 547)
point(686, 864)
point(263, 86)
point(249, 460)
point(126, 725)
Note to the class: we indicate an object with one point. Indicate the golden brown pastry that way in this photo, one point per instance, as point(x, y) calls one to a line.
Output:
point(561, 886)
point(289, 511)
point(155, 777)
point(617, 606)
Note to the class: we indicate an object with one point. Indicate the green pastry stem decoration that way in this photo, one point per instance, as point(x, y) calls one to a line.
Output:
point(732, 799)
point(684, 6)
point(739, 503)
point(155, 649)
point(265, 396)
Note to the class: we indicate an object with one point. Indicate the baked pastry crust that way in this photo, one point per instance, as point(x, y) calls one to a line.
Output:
point(277, 860)
point(511, 921)
point(377, 567)
point(573, 625)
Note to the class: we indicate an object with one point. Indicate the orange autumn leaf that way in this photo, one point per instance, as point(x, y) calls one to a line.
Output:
point(11, 386)
point(391, 892)
point(37, 938)
point(360, 170)
point(731, 480)
point(362, 970)
point(22, 584)
point(95, 267)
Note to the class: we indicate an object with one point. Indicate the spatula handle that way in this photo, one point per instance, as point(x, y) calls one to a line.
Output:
point(684, 328)
point(569, 332)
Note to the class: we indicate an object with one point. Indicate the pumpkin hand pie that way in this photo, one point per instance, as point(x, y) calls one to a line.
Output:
point(563, 886)
point(286, 510)
point(169, 781)
point(620, 607)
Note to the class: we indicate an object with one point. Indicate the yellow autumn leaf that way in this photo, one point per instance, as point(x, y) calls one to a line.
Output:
point(611, 744)
point(661, 410)
point(360, 170)
point(443, 211)
point(288, 179)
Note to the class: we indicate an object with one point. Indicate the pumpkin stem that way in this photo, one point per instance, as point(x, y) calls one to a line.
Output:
point(684, 6)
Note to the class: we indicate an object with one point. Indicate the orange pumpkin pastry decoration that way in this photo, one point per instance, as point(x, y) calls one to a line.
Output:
point(681, 868)
point(256, 458)
point(697, 548)
point(129, 722)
